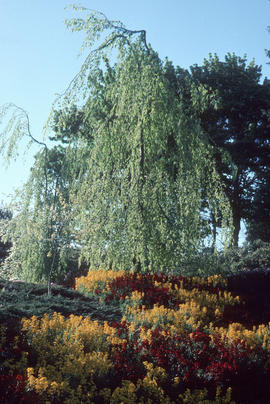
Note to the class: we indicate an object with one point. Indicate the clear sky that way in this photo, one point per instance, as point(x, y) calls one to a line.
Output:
point(39, 55)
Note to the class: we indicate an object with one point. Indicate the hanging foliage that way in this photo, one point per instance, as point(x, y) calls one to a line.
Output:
point(132, 173)
point(150, 166)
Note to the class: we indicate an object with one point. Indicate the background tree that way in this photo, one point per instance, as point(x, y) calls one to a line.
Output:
point(232, 108)
point(258, 225)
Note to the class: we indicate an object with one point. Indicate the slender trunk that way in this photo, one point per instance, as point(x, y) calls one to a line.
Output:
point(50, 273)
point(235, 204)
point(236, 227)
point(214, 232)
point(49, 286)
point(53, 247)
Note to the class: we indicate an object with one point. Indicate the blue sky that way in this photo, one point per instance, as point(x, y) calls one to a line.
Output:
point(39, 55)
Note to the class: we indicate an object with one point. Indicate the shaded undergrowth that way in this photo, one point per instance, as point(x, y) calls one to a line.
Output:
point(19, 299)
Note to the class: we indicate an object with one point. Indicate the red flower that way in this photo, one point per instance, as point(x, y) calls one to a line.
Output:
point(19, 378)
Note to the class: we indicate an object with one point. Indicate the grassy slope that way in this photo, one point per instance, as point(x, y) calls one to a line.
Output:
point(19, 299)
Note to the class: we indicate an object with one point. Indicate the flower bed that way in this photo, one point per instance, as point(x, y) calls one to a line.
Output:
point(175, 344)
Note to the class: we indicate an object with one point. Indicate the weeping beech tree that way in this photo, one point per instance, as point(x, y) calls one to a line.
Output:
point(145, 171)
point(150, 167)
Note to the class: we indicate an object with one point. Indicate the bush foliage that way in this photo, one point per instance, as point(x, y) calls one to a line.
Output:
point(175, 340)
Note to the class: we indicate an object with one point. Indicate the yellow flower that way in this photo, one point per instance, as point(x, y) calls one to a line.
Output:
point(176, 380)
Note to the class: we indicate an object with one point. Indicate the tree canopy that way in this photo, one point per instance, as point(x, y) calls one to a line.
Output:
point(233, 111)
point(142, 160)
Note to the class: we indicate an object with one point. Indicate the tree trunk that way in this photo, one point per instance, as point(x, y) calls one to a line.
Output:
point(236, 227)
point(214, 232)
point(49, 285)
point(235, 204)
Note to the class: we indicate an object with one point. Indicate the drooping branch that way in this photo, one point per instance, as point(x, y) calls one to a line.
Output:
point(25, 130)
point(28, 132)
point(95, 24)
point(118, 26)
